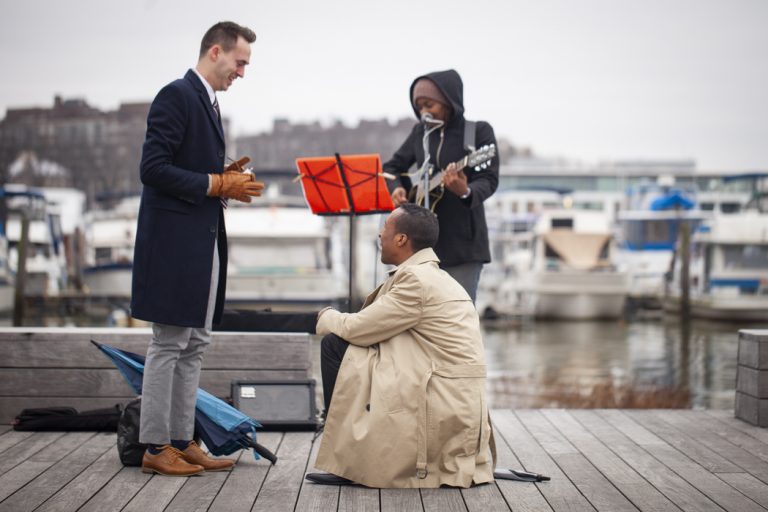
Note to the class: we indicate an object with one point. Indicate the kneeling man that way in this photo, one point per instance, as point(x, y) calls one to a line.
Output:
point(404, 379)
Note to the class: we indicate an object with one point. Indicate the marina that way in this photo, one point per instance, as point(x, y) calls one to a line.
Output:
point(285, 258)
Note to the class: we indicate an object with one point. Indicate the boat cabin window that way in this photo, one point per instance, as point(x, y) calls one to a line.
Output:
point(588, 205)
point(730, 207)
point(562, 223)
point(707, 207)
point(103, 255)
point(745, 256)
point(658, 231)
point(647, 234)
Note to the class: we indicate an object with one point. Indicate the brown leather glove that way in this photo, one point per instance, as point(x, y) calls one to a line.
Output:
point(235, 185)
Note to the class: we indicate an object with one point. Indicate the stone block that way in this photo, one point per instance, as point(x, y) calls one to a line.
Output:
point(751, 409)
point(753, 349)
point(752, 382)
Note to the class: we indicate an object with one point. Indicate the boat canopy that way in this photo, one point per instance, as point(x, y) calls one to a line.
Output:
point(671, 201)
point(578, 250)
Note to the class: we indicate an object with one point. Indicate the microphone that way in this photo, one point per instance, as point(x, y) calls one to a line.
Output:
point(427, 119)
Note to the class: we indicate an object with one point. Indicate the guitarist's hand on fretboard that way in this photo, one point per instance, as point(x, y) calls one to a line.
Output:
point(455, 180)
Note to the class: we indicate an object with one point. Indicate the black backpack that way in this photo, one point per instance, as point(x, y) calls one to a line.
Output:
point(48, 419)
point(129, 448)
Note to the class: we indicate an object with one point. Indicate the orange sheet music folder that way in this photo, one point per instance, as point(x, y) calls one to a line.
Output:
point(344, 184)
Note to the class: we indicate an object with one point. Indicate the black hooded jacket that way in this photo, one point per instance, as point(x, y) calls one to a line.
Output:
point(463, 231)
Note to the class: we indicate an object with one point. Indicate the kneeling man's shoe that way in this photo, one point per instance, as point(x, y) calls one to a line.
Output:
point(328, 479)
point(169, 462)
point(194, 455)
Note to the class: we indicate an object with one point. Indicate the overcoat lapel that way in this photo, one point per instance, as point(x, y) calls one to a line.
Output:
point(206, 103)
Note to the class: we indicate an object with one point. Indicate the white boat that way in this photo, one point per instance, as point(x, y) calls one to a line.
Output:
point(110, 238)
point(512, 215)
point(46, 265)
point(573, 273)
point(728, 269)
point(511, 243)
point(281, 255)
point(647, 230)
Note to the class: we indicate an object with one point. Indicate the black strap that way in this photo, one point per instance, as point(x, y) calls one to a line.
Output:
point(469, 136)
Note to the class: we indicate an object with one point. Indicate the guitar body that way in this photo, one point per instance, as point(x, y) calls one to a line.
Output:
point(436, 192)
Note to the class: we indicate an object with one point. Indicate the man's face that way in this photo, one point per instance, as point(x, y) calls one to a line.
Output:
point(230, 65)
point(433, 108)
point(391, 241)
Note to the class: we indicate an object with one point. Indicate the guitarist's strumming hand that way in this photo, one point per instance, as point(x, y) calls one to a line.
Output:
point(399, 196)
point(455, 180)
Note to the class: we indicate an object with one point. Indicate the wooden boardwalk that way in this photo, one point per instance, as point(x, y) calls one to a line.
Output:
point(607, 460)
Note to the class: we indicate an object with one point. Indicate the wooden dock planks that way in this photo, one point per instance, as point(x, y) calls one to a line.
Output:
point(598, 460)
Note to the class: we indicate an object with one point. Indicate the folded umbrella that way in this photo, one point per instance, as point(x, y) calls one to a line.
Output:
point(223, 429)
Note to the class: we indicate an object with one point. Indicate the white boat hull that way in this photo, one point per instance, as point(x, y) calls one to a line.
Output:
point(732, 309)
point(109, 281)
point(578, 295)
point(279, 288)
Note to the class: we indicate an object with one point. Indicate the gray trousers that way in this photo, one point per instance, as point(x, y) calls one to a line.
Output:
point(172, 375)
point(468, 275)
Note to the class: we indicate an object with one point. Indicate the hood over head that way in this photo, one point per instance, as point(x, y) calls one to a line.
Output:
point(449, 84)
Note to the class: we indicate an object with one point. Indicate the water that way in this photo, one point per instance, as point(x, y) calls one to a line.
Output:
point(650, 364)
point(613, 364)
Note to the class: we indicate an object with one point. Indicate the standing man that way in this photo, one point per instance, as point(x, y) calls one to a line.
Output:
point(463, 244)
point(180, 260)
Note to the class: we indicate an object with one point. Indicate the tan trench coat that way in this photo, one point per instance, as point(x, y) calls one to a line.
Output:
point(409, 406)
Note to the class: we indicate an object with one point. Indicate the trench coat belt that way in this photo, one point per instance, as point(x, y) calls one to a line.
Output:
point(459, 371)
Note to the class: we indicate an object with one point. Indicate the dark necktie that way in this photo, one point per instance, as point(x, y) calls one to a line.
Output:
point(216, 108)
point(224, 200)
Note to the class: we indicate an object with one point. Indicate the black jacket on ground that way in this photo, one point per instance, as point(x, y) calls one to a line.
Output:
point(463, 231)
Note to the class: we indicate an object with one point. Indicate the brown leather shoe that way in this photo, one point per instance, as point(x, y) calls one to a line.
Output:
point(169, 462)
point(194, 455)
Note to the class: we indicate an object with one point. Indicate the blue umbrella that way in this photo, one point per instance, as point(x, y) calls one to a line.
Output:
point(223, 429)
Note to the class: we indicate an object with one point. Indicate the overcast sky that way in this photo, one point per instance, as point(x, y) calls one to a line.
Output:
point(590, 80)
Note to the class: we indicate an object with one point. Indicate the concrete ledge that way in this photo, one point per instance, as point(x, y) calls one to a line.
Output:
point(42, 367)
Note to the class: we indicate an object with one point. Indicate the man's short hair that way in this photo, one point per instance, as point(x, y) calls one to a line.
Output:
point(225, 33)
point(419, 224)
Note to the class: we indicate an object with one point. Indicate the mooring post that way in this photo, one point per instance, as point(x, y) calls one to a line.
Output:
point(21, 270)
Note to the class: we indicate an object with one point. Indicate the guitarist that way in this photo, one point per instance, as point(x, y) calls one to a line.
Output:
point(462, 245)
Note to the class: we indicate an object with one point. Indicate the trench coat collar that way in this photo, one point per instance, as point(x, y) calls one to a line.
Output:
point(423, 256)
point(417, 258)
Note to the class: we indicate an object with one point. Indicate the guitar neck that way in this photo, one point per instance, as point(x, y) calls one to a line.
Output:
point(438, 177)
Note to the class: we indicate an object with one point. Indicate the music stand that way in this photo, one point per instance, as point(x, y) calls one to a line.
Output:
point(348, 185)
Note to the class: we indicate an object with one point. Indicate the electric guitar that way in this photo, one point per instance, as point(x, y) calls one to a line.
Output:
point(479, 159)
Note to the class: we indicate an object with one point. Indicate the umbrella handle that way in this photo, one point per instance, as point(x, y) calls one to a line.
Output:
point(521, 476)
point(261, 450)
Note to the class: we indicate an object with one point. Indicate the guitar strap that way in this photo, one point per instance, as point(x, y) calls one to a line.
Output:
point(469, 136)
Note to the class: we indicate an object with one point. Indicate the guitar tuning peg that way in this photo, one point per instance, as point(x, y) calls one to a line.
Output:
point(477, 168)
